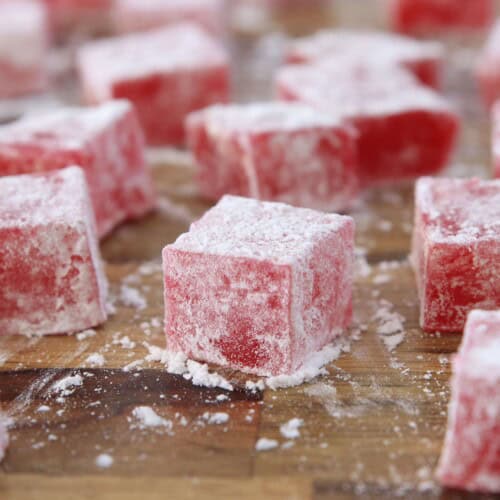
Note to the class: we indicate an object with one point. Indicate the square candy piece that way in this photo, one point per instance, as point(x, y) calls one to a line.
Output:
point(471, 454)
point(23, 48)
point(496, 141)
point(424, 16)
point(286, 152)
point(51, 277)
point(165, 73)
point(405, 130)
point(258, 286)
point(423, 59)
point(142, 15)
point(488, 68)
point(456, 250)
point(106, 141)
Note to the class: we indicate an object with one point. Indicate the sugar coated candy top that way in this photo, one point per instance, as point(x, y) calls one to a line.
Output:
point(20, 22)
point(359, 90)
point(64, 128)
point(243, 227)
point(181, 5)
point(183, 46)
point(33, 200)
point(383, 47)
point(264, 117)
point(461, 211)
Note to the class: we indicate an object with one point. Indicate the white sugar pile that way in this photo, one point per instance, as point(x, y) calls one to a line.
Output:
point(67, 385)
point(147, 417)
point(291, 429)
point(265, 444)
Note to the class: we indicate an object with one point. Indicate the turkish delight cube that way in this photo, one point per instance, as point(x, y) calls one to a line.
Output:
point(106, 141)
point(421, 16)
point(496, 141)
point(488, 68)
point(165, 73)
point(275, 151)
point(24, 43)
point(471, 454)
point(51, 277)
point(456, 250)
point(258, 286)
point(138, 15)
point(405, 130)
point(423, 59)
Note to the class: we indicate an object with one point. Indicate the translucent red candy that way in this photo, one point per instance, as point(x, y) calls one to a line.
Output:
point(23, 48)
point(258, 286)
point(471, 454)
point(405, 130)
point(420, 16)
point(166, 74)
point(423, 59)
point(275, 151)
point(456, 250)
point(51, 278)
point(105, 141)
point(138, 15)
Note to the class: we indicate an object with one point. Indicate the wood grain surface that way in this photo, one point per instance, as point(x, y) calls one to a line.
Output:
point(373, 427)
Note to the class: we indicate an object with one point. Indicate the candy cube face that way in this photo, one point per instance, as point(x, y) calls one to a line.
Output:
point(138, 15)
point(274, 151)
point(51, 279)
point(23, 48)
point(258, 286)
point(471, 454)
point(404, 130)
point(423, 59)
point(456, 250)
point(166, 74)
point(421, 16)
point(106, 141)
point(488, 68)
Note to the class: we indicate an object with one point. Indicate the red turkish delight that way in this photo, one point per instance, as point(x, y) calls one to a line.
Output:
point(471, 454)
point(106, 141)
point(165, 73)
point(275, 151)
point(258, 286)
point(23, 48)
point(140, 15)
point(421, 16)
point(496, 140)
point(405, 130)
point(488, 68)
point(423, 59)
point(51, 277)
point(456, 250)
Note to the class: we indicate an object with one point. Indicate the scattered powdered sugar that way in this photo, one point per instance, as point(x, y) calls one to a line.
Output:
point(218, 418)
point(96, 359)
point(390, 325)
point(104, 461)
point(252, 386)
point(290, 430)
point(265, 444)
point(131, 297)
point(147, 417)
point(86, 334)
point(313, 367)
point(67, 385)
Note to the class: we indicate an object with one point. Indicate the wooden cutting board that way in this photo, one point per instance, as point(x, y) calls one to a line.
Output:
point(372, 427)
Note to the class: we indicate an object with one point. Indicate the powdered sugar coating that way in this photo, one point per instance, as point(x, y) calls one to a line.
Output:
point(51, 277)
point(258, 286)
point(365, 47)
point(140, 15)
point(106, 141)
point(470, 458)
point(456, 249)
point(286, 152)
